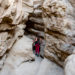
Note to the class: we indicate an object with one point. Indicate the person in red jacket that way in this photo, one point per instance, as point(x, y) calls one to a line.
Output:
point(37, 47)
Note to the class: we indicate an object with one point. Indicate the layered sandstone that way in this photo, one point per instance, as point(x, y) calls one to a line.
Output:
point(35, 23)
point(59, 29)
point(54, 18)
point(13, 15)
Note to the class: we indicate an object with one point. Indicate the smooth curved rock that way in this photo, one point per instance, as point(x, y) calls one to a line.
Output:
point(20, 53)
point(70, 65)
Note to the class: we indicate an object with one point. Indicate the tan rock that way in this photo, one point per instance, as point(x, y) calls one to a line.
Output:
point(19, 54)
point(3, 43)
point(13, 15)
point(59, 29)
point(2, 60)
point(48, 67)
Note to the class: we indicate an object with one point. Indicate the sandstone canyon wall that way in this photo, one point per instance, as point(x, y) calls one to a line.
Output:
point(13, 15)
point(59, 19)
point(54, 18)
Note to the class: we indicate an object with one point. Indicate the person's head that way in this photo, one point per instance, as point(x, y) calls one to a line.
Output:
point(38, 38)
point(35, 38)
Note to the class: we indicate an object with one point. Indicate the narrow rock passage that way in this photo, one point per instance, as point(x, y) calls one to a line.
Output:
point(49, 68)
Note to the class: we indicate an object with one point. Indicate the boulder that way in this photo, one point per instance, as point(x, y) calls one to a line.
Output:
point(70, 65)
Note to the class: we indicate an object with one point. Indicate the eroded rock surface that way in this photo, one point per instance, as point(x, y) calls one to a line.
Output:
point(54, 17)
point(13, 15)
point(35, 23)
point(70, 65)
point(59, 29)
point(49, 68)
point(19, 54)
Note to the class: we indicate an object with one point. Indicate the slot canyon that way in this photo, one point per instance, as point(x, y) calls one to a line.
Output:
point(21, 21)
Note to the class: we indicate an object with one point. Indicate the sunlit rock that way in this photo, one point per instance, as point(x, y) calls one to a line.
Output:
point(13, 15)
point(59, 29)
